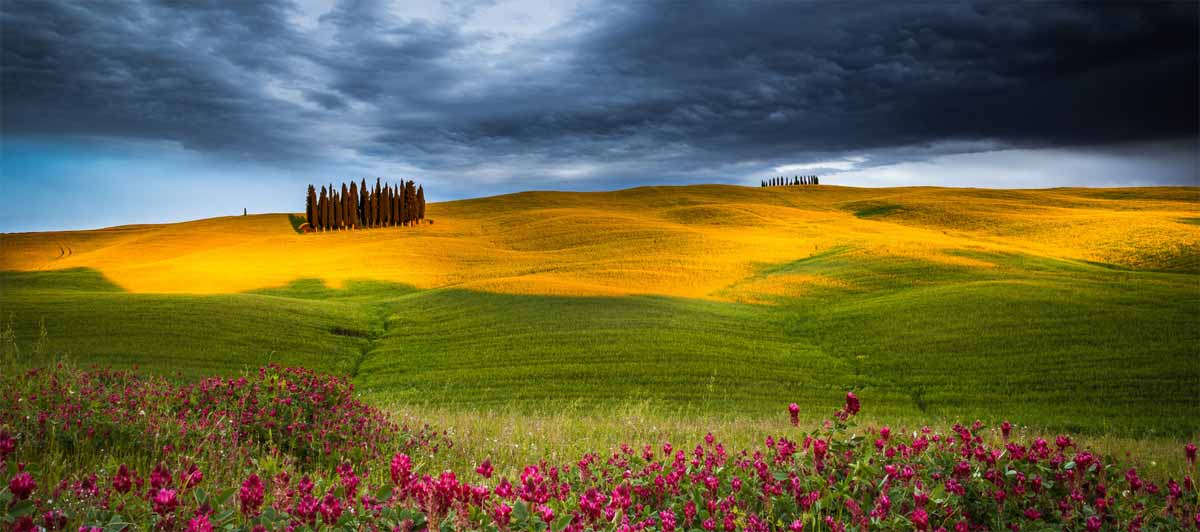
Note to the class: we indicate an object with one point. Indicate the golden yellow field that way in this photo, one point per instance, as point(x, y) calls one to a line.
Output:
point(697, 242)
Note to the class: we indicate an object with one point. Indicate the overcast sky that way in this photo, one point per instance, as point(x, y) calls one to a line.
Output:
point(146, 111)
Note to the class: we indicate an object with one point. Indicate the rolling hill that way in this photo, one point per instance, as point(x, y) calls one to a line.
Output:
point(1071, 308)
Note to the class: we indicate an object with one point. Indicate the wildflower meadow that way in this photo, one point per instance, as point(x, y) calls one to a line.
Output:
point(98, 450)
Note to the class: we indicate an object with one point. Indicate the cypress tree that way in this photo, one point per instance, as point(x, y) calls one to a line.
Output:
point(391, 204)
point(387, 204)
point(420, 203)
point(341, 210)
point(376, 200)
point(321, 210)
point(327, 212)
point(310, 201)
point(401, 205)
point(370, 214)
point(410, 202)
point(362, 204)
point(353, 204)
point(337, 210)
point(366, 206)
point(378, 213)
point(414, 205)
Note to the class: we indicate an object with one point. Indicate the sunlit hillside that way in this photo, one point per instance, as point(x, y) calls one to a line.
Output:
point(708, 242)
point(1065, 308)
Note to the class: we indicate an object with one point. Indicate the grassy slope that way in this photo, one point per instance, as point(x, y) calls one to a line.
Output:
point(931, 302)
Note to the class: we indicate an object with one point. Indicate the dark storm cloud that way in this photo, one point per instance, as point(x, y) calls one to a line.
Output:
point(650, 89)
point(182, 72)
point(829, 78)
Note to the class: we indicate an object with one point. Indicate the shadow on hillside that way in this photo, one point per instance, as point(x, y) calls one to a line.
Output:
point(82, 279)
point(297, 221)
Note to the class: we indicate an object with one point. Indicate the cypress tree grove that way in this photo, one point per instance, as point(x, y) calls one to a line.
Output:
point(356, 206)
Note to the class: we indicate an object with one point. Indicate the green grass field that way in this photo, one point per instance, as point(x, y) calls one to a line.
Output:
point(1051, 343)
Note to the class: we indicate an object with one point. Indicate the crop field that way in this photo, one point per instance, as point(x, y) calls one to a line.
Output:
point(1071, 309)
point(543, 327)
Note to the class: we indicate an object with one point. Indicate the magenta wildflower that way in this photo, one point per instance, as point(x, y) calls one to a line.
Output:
point(920, 519)
point(485, 469)
point(852, 404)
point(250, 496)
point(121, 482)
point(190, 477)
point(1189, 451)
point(7, 445)
point(1135, 482)
point(164, 501)
point(22, 485)
point(667, 517)
point(401, 469)
point(200, 523)
point(54, 520)
point(160, 477)
point(502, 514)
point(331, 509)
point(1005, 429)
point(794, 413)
point(24, 524)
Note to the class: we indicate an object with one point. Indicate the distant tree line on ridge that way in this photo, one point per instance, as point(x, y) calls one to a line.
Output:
point(357, 206)
point(783, 181)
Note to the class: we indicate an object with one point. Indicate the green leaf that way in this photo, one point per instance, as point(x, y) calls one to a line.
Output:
point(22, 508)
point(562, 521)
point(222, 517)
point(520, 513)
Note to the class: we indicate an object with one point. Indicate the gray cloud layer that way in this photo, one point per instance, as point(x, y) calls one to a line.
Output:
point(617, 95)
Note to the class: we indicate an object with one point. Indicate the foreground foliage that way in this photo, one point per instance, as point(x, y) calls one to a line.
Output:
point(292, 449)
